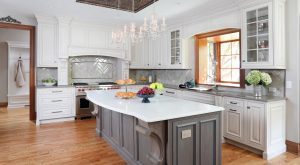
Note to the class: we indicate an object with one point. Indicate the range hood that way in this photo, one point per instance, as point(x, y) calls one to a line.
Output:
point(84, 51)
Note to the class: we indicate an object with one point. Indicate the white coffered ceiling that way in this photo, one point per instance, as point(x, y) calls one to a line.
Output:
point(171, 9)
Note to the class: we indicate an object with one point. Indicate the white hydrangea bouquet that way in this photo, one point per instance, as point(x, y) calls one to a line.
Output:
point(258, 79)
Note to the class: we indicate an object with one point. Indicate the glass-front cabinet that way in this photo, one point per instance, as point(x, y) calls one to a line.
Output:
point(175, 48)
point(258, 31)
point(261, 28)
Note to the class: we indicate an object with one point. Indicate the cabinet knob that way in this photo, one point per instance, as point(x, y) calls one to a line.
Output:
point(148, 64)
point(244, 61)
point(159, 64)
point(248, 107)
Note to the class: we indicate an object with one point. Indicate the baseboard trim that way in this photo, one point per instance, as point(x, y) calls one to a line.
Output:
point(3, 104)
point(293, 147)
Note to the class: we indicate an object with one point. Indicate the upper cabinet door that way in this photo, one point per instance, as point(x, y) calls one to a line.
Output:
point(258, 37)
point(47, 48)
point(263, 37)
point(175, 48)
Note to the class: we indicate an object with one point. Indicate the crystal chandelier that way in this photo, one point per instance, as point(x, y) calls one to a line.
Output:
point(151, 29)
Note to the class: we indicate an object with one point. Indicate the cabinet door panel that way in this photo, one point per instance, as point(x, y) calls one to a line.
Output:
point(255, 124)
point(115, 127)
point(128, 142)
point(233, 124)
point(106, 121)
point(186, 146)
point(47, 45)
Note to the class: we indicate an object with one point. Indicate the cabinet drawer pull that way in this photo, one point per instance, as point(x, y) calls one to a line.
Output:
point(231, 102)
point(56, 101)
point(232, 110)
point(170, 92)
point(57, 112)
point(57, 91)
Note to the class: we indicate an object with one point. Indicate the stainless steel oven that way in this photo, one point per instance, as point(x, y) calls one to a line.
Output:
point(83, 107)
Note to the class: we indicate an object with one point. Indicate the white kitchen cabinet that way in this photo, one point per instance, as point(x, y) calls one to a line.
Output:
point(55, 104)
point(198, 97)
point(259, 125)
point(263, 36)
point(168, 51)
point(47, 39)
point(255, 119)
point(139, 55)
point(89, 39)
point(234, 123)
point(190, 95)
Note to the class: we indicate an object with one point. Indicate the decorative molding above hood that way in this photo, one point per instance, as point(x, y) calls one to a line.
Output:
point(83, 51)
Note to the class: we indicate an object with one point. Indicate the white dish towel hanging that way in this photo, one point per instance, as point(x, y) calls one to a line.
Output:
point(20, 75)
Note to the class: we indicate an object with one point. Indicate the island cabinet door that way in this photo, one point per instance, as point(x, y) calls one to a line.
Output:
point(194, 140)
point(127, 135)
point(106, 122)
point(115, 127)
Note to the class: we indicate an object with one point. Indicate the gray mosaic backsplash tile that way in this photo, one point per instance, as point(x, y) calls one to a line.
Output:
point(176, 77)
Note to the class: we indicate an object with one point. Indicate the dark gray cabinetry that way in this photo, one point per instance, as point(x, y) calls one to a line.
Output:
point(185, 141)
point(195, 140)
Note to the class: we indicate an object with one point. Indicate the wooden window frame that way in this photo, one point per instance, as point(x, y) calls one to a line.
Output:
point(218, 74)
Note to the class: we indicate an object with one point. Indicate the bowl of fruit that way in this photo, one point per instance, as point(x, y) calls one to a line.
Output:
point(146, 93)
point(49, 82)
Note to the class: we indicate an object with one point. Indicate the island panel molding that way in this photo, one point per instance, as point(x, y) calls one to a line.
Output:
point(125, 5)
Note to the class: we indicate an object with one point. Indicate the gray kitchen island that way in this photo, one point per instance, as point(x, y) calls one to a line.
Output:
point(166, 131)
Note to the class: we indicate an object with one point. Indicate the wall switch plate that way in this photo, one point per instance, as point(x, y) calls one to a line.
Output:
point(186, 134)
point(289, 84)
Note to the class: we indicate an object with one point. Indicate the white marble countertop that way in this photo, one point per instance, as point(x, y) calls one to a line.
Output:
point(161, 107)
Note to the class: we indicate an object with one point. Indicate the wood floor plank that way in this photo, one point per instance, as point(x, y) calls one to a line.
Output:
point(76, 143)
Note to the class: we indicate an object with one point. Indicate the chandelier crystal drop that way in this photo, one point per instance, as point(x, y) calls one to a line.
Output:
point(149, 29)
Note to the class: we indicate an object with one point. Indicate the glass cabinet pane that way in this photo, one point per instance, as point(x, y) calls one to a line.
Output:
point(263, 42)
point(251, 29)
point(173, 43)
point(251, 16)
point(263, 55)
point(173, 35)
point(251, 43)
point(263, 13)
point(252, 56)
point(263, 27)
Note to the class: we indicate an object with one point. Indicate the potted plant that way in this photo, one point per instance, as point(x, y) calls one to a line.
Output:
point(260, 82)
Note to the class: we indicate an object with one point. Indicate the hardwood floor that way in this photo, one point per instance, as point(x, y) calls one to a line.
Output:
point(21, 142)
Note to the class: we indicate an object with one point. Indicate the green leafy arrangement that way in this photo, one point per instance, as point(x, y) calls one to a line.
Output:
point(49, 80)
point(256, 77)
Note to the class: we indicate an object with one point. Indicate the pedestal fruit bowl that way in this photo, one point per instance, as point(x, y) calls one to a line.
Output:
point(146, 93)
